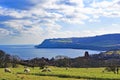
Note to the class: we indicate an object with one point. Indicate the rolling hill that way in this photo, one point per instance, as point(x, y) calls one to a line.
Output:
point(102, 42)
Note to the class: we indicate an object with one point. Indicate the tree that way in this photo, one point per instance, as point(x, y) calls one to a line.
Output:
point(15, 61)
point(86, 55)
point(114, 69)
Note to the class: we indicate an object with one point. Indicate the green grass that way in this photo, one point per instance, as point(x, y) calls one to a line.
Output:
point(59, 74)
point(111, 52)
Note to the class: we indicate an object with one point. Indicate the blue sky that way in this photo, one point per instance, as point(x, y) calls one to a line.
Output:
point(32, 21)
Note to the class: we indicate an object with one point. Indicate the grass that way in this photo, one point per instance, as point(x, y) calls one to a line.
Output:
point(115, 52)
point(59, 74)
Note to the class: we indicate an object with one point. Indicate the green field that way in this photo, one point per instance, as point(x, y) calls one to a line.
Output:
point(59, 74)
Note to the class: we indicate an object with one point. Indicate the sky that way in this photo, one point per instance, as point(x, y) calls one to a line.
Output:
point(32, 21)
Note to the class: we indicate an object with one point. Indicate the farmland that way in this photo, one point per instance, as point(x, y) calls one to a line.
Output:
point(59, 74)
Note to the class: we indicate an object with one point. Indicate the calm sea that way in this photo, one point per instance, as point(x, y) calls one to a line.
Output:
point(29, 51)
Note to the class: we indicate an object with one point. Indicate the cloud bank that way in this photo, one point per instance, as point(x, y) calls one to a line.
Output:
point(35, 20)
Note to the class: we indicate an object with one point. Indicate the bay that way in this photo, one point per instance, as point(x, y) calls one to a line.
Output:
point(29, 51)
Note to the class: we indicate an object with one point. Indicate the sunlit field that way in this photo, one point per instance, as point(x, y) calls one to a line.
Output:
point(59, 74)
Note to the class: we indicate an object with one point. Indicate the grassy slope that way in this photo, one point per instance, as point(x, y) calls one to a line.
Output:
point(59, 74)
point(113, 52)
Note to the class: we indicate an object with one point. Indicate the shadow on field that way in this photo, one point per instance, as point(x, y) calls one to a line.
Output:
point(69, 76)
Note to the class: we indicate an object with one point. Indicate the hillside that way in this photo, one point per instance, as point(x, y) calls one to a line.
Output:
point(103, 42)
point(117, 52)
point(59, 74)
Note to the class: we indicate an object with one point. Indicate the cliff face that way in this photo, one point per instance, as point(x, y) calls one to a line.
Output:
point(103, 42)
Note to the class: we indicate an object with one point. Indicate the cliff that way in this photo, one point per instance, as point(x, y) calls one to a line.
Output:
point(103, 42)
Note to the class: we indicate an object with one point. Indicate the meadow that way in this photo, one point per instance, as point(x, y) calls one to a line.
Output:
point(59, 74)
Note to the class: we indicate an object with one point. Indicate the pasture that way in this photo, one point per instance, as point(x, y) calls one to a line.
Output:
point(59, 74)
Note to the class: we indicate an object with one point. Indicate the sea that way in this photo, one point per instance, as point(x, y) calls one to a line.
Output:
point(29, 51)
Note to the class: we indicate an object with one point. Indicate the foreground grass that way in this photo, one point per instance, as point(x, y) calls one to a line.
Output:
point(59, 74)
point(18, 74)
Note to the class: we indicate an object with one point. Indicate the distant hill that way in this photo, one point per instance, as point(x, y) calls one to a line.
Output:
point(115, 52)
point(103, 42)
point(107, 55)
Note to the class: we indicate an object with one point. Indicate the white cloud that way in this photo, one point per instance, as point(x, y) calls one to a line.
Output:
point(94, 20)
point(41, 19)
point(4, 32)
point(107, 8)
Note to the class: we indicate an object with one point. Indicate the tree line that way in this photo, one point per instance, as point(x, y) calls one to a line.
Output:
point(86, 61)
